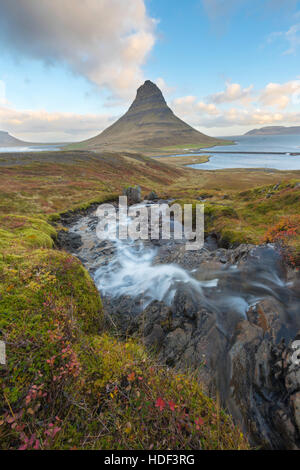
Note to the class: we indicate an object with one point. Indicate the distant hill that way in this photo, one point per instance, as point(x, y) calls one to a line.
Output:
point(148, 124)
point(275, 130)
point(7, 140)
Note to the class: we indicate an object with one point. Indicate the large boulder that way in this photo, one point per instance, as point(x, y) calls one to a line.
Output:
point(152, 196)
point(265, 388)
point(133, 194)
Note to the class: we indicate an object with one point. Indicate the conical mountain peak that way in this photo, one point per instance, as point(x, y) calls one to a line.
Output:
point(148, 126)
point(148, 95)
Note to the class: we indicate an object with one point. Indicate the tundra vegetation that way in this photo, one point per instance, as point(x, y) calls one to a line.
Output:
point(71, 382)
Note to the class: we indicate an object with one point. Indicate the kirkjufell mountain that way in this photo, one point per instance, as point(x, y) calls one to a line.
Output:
point(148, 124)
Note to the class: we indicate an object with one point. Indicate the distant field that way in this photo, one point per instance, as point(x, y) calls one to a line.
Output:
point(193, 146)
point(155, 151)
point(49, 182)
point(187, 160)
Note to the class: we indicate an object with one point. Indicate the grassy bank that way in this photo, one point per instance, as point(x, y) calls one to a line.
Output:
point(266, 214)
point(70, 382)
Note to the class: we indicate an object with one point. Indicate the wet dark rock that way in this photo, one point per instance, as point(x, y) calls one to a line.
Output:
point(152, 196)
point(260, 396)
point(69, 241)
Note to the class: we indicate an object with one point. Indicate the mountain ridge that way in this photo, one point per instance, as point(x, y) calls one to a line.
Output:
point(7, 140)
point(275, 130)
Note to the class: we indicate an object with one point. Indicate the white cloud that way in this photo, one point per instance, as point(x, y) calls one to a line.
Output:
point(248, 118)
point(252, 108)
point(186, 103)
point(233, 92)
point(165, 89)
point(105, 41)
point(291, 36)
point(2, 93)
point(280, 95)
point(192, 110)
point(208, 108)
point(42, 126)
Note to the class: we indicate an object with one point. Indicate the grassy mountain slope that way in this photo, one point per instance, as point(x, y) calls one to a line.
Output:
point(7, 140)
point(149, 124)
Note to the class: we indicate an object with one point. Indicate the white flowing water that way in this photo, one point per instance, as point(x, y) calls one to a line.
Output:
point(132, 272)
point(135, 270)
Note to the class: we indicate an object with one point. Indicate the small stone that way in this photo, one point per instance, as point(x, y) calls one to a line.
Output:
point(152, 196)
point(133, 194)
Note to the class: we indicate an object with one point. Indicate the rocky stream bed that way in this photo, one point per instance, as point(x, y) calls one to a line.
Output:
point(232, 315)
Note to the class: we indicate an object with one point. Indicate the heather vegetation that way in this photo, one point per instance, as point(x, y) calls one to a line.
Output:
point(265, 214)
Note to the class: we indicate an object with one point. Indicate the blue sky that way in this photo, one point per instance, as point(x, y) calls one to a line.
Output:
point(69, 68)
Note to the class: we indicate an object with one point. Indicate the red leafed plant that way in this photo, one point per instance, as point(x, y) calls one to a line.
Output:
point(284, 233)
point(160, 403)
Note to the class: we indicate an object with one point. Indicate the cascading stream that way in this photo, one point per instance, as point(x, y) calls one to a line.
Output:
point(139, 270)
point(223, 313)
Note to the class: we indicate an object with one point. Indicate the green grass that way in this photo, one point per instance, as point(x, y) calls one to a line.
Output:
point(245, 217)
point(197, 146)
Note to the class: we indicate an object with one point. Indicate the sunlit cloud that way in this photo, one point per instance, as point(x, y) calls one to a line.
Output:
point(233, 92)
point(43, 126)
point(105, 41)
point(280, 95)
point(189, 107)
point(2, 93)
point(243, 107)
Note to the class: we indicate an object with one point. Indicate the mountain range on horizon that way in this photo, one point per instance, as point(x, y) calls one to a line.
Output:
point(148, 124)
point(275, 130)
point(7, 140)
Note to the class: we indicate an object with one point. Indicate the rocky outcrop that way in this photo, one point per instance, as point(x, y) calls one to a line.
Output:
point(152, 196)
point(247, 361)
point(256, 377)
point(265, 387)
point(133, 194)
point(69, 241)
